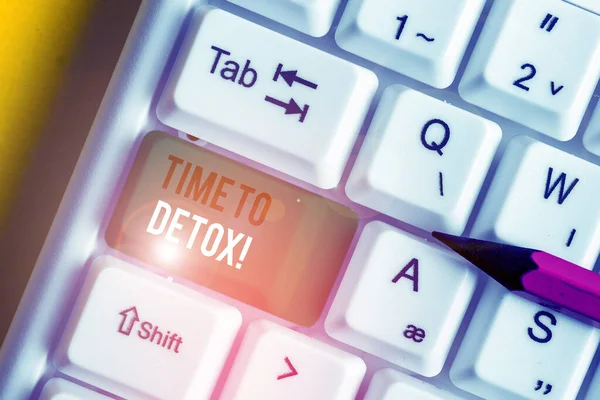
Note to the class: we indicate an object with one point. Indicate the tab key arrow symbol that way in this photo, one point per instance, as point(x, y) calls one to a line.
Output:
point(291, 76)
point(290, 108)
point(292, 372)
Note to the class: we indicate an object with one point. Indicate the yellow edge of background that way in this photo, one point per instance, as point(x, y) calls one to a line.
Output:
point(37, 39)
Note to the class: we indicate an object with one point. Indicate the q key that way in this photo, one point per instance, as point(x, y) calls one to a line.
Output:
point(423, 160)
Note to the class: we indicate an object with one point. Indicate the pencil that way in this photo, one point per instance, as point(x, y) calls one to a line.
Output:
point(534, 272)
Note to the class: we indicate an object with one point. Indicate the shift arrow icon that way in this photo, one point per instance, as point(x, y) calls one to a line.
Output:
point(290, 108)
point(130, 317)
point(292, 372)
point(291, 76)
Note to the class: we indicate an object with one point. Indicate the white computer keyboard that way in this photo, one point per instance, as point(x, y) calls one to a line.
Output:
point(249, 217)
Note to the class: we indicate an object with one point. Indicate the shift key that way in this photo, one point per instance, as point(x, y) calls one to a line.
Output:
point(230, 228)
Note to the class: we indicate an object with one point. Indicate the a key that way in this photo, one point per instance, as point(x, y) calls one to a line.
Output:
point(423, 161)
point(516, 349)
point(137, 334)
point(388, 384)
point(61, 389)
point(402, 299)
point(277, 363)
point(543, 198)
point(591, 137)
point(267, 97)
point(526, 66)
point(423, 39)
point(232, 229)
point(311, 17)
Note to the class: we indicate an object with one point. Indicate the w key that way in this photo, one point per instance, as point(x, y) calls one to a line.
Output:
point(543, 198)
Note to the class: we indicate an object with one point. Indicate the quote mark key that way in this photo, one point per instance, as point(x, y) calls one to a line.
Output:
point(549, 22)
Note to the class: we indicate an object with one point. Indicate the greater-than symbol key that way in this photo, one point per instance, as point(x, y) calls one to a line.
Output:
point(292, 372)
point(321, 371)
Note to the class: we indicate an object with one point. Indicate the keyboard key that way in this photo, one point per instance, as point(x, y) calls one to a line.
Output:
point(232, 229)
point(388, 384)
point(277, 363)
point(423, 161)
point(516, 349)
point(136, 334)
point(61, 389)
point(311, 17)
point(591, 137)
point(542, 198)
point(526, 67)
point(390, 271)
point(423, 39)
point(267, 97)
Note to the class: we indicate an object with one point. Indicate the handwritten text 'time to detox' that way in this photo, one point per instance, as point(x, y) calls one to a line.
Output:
point(208, 188)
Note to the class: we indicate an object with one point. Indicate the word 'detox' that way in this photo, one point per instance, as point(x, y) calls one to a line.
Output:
point(228, 227)
point(212, 239)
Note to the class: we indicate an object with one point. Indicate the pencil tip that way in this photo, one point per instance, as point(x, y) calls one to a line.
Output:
point(461, 245)
point(504, 263)
point(445, 238)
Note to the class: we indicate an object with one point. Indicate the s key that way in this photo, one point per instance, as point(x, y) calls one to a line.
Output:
point(232, 229)
point(515, 349)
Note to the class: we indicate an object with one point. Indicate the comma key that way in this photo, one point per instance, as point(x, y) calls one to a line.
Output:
point(232, 229)
point(137, 334)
